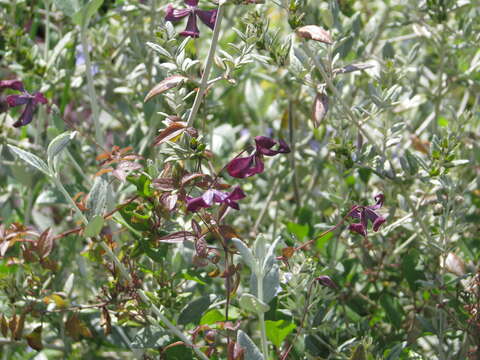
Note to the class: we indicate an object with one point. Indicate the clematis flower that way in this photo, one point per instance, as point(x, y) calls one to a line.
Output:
point(30, 102)
point(365, 213)
point(208, 17)
point(212, 196)
point(247, 166)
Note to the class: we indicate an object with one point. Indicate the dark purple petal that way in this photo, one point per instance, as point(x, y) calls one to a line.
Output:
point(264, 145)
point(38, 98)
point(192, 3)
point(217, 196)
point(379, 198)
point(191, 29)
point(284, 148)
point(327, 281)
point(237, 194)
point(246, 166)
point(173, 14)
point(378, 222)
point(27, 115)
point(17, 100)
point(358, 228)
point(11, 84)
point(195, 204)
point(208, 17)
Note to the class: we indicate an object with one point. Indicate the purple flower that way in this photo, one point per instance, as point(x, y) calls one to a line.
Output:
point(208, 17)
point(327, 281)
point(365, 213)
point(11, 84)
point(30, 101)
point(247, 166)
point(212, 196)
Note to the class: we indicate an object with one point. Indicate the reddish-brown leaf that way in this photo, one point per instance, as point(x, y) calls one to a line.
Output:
point(177, 237)
point(169, 133)
point(164, 184)
point(44, 245)
point(189, 177)
point(314, 32)
point(164, 85)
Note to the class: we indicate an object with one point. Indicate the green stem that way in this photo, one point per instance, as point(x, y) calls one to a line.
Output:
point(261, 315)
point(208, 66)
point(90, 86)
point(47, 30)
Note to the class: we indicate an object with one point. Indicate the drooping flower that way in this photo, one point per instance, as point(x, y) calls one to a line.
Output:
point(247, 166)
point(212, 196)
point(30, 102)
point(25, 98)
point(208, 17)
point(365, 213)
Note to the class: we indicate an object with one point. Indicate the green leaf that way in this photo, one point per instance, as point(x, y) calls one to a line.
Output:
point(392, 310)
point(68, 7)
point(97, 198)
point(253, 304)
point(300, 231)
point(192, 312)
point(251, 350)
point(30, 159)
point(94, 226)
point(58, 144)
point(150, 337)
point(211, 317)
point(245, 252)
point(277, 331)
point(271, 282)
point(82, 16)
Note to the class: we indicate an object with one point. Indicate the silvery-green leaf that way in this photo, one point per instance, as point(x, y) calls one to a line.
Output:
point(260, 248)
point(271, 283)
point(62, 44)
point(150, 337)
point(253, 304)
point(82, 16)
point(30, 159)
point(251, 350)
point(158, 49)
point(245, 253)
point(193, 311)
point(58, 144)
point(94, 226)
point(68, 7)
point(97, 198)
point(270, 258)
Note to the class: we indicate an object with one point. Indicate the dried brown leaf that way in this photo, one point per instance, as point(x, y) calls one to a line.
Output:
point(314, 32)
point(164, 85)
point(44, 245)
point(177, 237)
point(170, 133)
point(319, 109)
